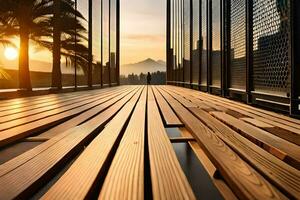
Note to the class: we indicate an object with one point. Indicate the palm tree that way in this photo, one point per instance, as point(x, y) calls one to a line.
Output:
point(34, 20)
point(67, 39)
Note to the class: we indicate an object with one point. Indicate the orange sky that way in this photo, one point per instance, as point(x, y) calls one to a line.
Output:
point(142, 35)
point(142, 30)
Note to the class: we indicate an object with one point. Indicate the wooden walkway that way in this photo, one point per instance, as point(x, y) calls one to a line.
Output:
point(114, 144)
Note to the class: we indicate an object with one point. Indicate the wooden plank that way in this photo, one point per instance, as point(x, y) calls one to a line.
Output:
point(263, 113)
point(35, 106)
point(281, 174)
point(23, 100)
point(278, 172)
point(223, 188)
point(245, 182)
point(77, 120)
point(19, 132)
point(30, 101)
point(257, 123)
point(56, 101)
point(279, 147)
point(50, 107)
point(75, 105)
point(22, 181)
point(286, 132)
point(167, 178)
point(125, 178)
point(266, 114)
point(170, 118)
point(77, 182)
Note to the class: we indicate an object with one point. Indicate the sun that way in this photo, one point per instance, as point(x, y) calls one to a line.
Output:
point(11, 53)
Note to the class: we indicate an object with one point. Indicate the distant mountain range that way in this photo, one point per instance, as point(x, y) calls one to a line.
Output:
point(148, 65)
point(145, 66)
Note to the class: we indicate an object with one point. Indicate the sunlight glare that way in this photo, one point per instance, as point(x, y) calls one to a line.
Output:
point(11, 53)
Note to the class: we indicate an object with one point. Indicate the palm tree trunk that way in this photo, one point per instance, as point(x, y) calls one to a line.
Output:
point(56, 70)
point(24, 73)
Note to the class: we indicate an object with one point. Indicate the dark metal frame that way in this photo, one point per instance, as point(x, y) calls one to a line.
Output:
point(90, 44)
point(75, 53)
point(209, 46)
point(168, 40)
point(295, 59)
point(249, 49)
point(118, 41)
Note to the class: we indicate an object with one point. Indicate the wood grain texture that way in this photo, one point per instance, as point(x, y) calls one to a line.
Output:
point(76, 104)
point(277, 146)
point(118, 133)
point(168, 114)
point(23, 103)
point(125, 178)
point(167, 178)
point(287, 130)
point(19, 132)
point(257, 123)
point(34, 106)
point(79, 179)
point(49, 107)
point(24, 179)
point(220, 184)
point(241, 177)
point(106, 103)
point(279, 173)
point(258, 111)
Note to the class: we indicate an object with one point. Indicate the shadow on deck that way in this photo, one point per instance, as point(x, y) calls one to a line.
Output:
point(152, 142)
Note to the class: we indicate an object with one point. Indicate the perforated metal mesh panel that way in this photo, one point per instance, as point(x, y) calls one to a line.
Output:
point(237, 69)
point(271, 67)
point(187, 32)
point(216, 43)
point(204, 42)
point(196, 40)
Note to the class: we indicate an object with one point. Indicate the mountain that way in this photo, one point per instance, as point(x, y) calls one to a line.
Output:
point(145, 66)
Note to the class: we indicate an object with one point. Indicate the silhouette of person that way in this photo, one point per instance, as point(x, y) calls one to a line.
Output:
point(148, 78)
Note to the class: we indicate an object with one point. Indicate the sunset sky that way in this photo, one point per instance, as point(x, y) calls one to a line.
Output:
point(142, 36)
point(142, 30)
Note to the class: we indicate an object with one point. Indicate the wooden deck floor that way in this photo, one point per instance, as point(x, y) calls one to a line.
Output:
point(114, 143)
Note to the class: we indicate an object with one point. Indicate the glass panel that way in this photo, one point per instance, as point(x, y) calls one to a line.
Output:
point(196, 40)
point(106, 42)
point(96, 42)
point(204, 42)
point(9, 65)
point(68, 40)
point(216, 43)
point(176, 38)
point(113, 36)
point(82, 44)
point(172, 38)
point(238, 45)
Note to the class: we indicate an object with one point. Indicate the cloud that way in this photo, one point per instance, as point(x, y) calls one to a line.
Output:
point(145, 37)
